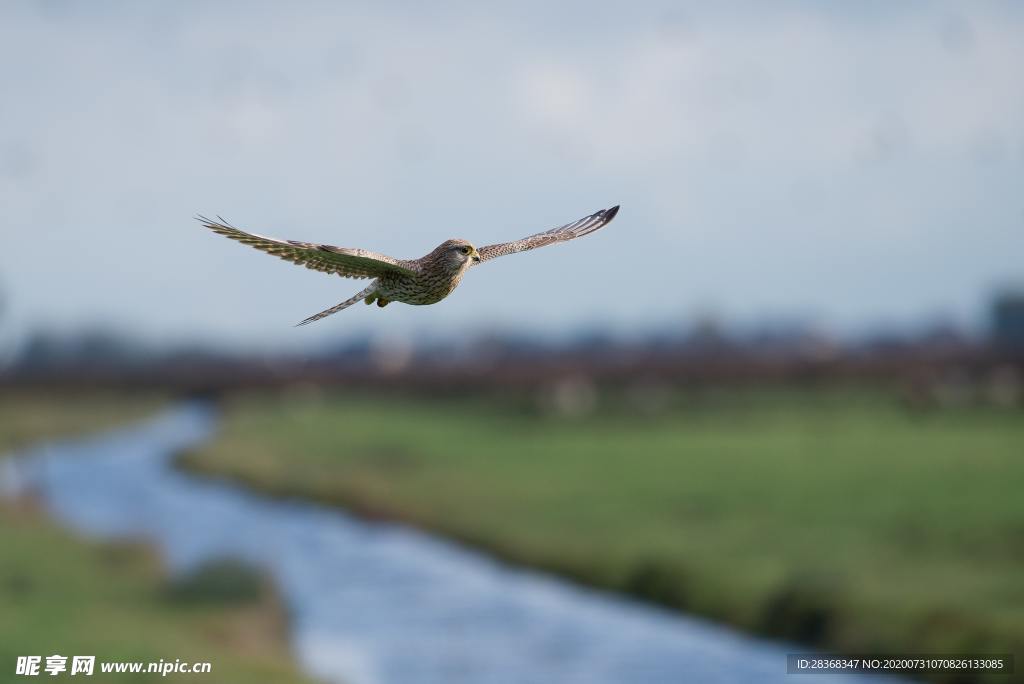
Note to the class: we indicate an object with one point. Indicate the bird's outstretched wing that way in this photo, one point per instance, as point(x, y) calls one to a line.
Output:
point(348, 263)
point(585, 226)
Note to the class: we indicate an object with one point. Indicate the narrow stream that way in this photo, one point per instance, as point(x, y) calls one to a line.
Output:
point(378, 603)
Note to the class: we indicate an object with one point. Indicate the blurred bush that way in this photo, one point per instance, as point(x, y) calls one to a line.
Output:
point(220, 581)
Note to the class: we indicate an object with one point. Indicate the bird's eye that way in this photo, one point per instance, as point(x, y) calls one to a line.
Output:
point(464, 250)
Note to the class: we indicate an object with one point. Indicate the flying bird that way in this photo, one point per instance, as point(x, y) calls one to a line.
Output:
point(426, 280)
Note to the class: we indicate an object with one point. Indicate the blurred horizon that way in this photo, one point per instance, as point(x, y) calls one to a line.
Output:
point(1002, 331)
point(850, 169)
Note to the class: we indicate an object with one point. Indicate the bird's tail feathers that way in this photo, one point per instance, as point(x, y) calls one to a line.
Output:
point(344, 305)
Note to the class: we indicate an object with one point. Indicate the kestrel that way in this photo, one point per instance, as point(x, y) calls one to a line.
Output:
point(426, 280)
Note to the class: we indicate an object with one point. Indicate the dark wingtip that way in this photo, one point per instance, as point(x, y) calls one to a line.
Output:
point(609, 214)
point(208, 222)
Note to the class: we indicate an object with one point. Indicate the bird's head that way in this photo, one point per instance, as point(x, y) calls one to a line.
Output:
point(457, 254)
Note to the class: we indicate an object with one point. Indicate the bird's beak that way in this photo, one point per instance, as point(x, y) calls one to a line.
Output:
point(476, 257)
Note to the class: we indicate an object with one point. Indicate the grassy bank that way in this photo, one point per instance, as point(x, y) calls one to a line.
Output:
point(60, 595)
point(27, 417)
point(63, 596)
point(837, 518)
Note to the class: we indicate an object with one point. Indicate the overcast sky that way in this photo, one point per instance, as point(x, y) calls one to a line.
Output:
point(846, 164)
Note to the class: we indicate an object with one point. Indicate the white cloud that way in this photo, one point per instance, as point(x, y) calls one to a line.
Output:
point(808, 89)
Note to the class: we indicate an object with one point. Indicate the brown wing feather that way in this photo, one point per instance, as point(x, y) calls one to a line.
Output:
point(570, 231)
point(348, 263)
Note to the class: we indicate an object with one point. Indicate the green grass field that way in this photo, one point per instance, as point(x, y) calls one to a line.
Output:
point(63, 596)
point(835, 517)
point(26, 417)
point(60, 595)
